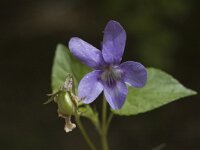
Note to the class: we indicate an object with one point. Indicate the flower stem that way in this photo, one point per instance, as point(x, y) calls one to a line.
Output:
point(84, 133)
point(104, 140)
point(109, 120)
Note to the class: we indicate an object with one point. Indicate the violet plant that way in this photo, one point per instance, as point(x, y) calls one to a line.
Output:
point(129, 87)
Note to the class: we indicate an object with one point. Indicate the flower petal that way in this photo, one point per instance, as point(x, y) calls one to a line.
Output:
point(89, 87)
point(135, 73)
point(114, 41)
point(86, 53)
point(116, 95)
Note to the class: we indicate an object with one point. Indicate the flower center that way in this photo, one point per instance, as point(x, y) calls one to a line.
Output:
point(110, 75)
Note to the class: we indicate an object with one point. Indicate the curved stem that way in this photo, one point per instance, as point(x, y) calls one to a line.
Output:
point(109, 120)
point(84, 133)
point(104, 140)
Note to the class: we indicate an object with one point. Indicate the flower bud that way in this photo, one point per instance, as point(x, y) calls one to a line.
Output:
point(65, 104)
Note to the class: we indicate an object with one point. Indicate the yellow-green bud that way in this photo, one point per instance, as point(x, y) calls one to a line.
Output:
point(65, 104)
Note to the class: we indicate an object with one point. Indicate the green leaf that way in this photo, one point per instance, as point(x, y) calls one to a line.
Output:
point(64, 63)
point(88, 112)
point(161, 88)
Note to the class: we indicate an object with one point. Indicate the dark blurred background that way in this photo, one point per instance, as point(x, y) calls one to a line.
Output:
point(160, 33)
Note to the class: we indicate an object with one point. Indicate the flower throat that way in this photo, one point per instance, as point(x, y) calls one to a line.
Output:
point(110, 74)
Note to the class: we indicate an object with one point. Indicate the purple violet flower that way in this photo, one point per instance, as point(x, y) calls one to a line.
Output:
point(109, 75)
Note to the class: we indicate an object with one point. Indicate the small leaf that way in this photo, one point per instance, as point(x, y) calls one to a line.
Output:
point(88, 112)
point(64, 63)
point(161, 88)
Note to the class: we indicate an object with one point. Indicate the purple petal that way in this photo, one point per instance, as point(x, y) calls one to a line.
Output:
point(114, 41)
point(116, 95)
point(89, 87)
point(86, 53)
point(135, 73)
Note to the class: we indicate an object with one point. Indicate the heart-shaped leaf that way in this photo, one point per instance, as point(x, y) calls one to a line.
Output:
point(161, 88)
